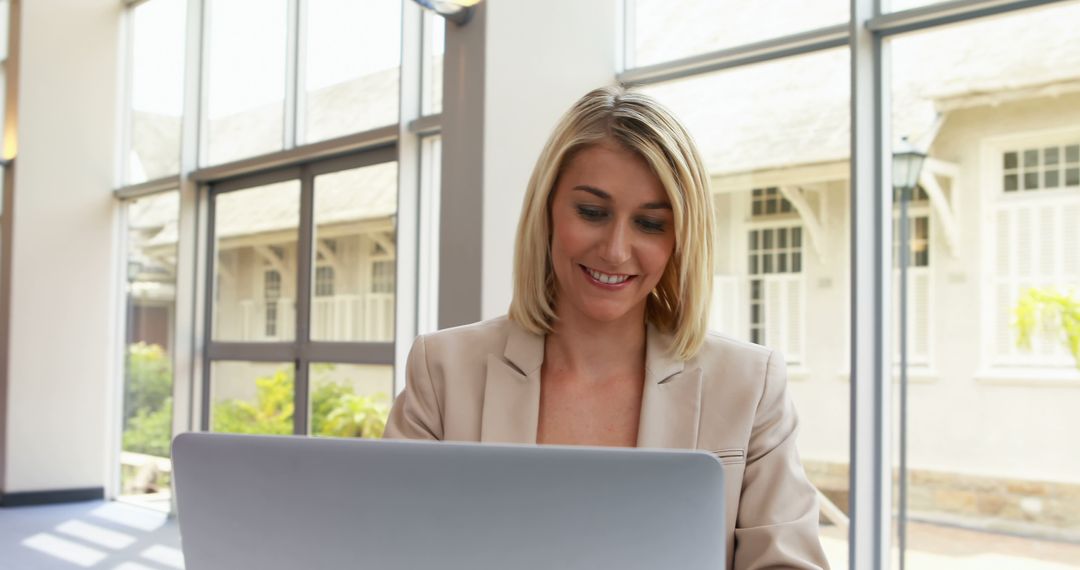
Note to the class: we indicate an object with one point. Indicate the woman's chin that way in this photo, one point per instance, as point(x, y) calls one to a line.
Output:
point(608, 312)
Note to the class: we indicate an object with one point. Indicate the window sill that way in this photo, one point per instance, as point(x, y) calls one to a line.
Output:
point(798, 373)
point(1028, 377)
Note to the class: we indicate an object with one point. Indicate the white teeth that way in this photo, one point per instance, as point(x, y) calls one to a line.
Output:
point(605, 278)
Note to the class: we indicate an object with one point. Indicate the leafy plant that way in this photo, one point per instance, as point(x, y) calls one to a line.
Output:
point(336, 409)
point(271, 413)
point(147, 400)
point(1052, 313)
point(149, 431)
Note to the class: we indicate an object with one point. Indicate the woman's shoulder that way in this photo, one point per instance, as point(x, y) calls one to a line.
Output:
point(726, 357)
point(482, 337)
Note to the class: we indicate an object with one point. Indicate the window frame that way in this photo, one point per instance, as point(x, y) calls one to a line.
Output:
point(301, 350)
point(996, 367)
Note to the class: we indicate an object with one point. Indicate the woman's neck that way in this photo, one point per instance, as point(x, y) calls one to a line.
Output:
point(596, 350)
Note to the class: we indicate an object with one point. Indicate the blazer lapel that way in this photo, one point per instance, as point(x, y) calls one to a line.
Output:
point(671, 399)
point(512, 390)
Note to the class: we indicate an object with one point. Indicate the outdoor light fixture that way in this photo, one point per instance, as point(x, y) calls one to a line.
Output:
point(906, 164)
point(457, 11)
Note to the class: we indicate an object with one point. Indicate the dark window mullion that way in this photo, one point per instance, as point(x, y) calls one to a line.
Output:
point(304, 254)
point(208, 305)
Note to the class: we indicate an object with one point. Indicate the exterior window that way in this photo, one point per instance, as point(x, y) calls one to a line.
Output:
point(776, 288)
point(1036, 246)
point(324, 281)
point(1046, 168)
point(920, 295)
point(271, 293)
point(769, 201)
point(382, 276)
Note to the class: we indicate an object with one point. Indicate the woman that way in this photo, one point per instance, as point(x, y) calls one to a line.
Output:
point(606, 342)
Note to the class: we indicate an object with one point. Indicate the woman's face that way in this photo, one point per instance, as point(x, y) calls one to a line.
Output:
point(612, 234)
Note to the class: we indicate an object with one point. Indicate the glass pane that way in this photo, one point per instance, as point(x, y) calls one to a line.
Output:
point(255, 271)
point(351, 66)
point(157, 89)
point(252, 397)
point(5, 14)
point(245, 100)
point(148, 379)
point(989, 369)
point(663, 30)
point(350, 400)
point(434, 47)
point(760, 137)
point(355, 237)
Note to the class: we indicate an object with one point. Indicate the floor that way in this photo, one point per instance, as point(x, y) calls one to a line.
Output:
point(95, 534)
point(121, 536)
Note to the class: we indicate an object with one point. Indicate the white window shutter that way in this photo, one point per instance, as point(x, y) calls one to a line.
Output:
point(1045, 242)
point(794, 310)
point(1070, 243)
point(723, 312)
point(1022, 234)
point(774, 311)
point(919, 319)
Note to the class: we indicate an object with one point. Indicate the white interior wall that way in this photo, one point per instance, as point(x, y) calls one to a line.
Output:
point(61, 375)
point(540, 58)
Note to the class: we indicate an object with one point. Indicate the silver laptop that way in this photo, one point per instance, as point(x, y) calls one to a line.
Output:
point(286, 502)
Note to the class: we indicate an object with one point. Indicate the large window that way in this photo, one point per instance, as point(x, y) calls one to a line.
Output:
point(304, 317)
point(283, 126)
point(148, 380)
point(156, 90)
point(775, 140)
point(993, 271)
point(282, 74)
point(344, 95)
point(990, 361)
point(663, 30)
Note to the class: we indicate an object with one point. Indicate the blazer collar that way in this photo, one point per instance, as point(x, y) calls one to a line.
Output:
point(670, 405)
point(525, 351)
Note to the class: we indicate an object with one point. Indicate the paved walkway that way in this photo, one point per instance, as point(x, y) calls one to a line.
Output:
point(934, 547)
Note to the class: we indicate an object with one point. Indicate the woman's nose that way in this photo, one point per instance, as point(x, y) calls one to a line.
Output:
point(616, 247)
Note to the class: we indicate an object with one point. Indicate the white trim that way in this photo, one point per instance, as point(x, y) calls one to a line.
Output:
point(796, 195)
point(945, 208)
point(1022, 377)
point(802, 175)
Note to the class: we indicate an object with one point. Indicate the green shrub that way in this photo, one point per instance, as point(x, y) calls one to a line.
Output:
point(336, 409)
point(147, 400)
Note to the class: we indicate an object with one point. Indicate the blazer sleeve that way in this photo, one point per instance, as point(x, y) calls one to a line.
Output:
point(777, 523)
point(416, 413)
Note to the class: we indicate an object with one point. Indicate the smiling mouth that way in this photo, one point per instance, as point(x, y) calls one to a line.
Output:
point(606, 278)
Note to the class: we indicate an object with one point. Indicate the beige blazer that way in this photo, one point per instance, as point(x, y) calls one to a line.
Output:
point(481, 382)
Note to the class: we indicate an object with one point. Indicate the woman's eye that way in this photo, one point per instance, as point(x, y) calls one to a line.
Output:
point(651, 226)
point(591, 214)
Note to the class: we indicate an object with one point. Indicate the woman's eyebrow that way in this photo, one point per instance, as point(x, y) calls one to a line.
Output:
point(605, 196)
point(594, 191)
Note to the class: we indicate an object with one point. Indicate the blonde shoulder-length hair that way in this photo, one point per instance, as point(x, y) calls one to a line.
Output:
point(679, 305)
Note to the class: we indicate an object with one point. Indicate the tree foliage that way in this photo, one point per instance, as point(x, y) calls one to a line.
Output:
point(147, 400)
point(1052, 313)
point(336, 409)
